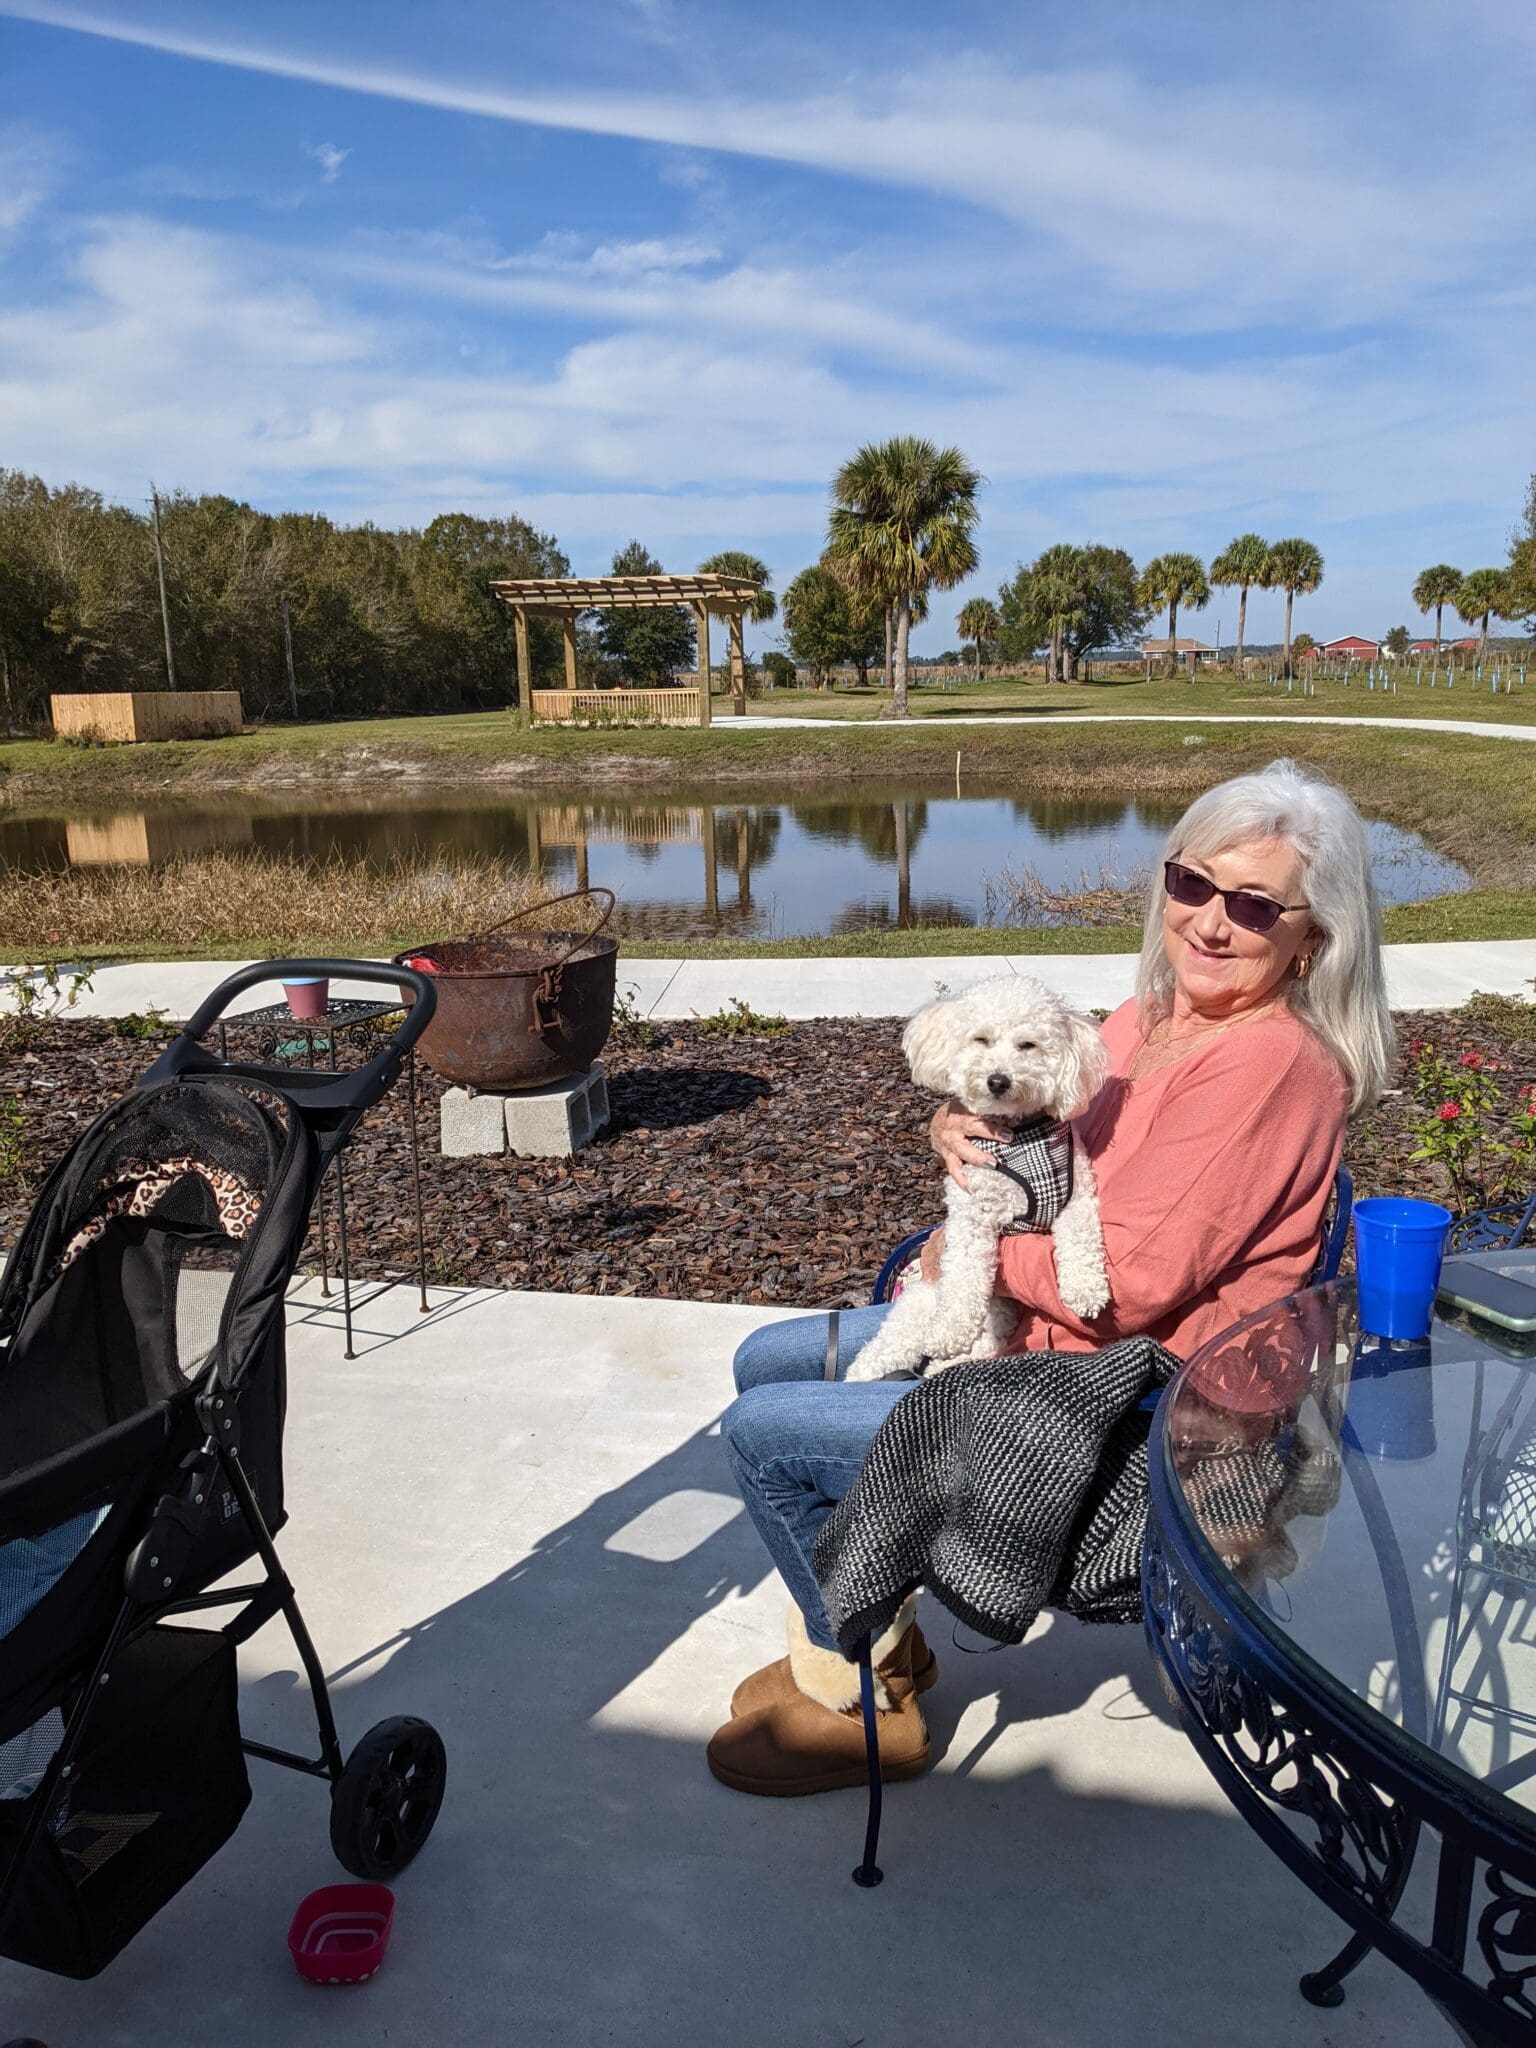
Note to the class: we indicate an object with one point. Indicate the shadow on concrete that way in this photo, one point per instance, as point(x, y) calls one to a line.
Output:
point(590, 1883)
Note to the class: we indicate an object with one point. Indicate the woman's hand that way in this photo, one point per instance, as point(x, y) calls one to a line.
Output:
point(951, 1134)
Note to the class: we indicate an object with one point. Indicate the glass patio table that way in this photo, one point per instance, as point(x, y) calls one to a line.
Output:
point(1340, 1584)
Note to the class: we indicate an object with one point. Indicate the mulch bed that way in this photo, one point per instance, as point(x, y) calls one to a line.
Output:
point(776, 1169)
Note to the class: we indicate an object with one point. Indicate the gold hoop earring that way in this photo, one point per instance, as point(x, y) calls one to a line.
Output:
point(1303, 966)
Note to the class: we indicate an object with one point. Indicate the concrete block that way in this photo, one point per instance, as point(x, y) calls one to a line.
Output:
point(556, 1120)
point(472, 1124)
point(597, 1095)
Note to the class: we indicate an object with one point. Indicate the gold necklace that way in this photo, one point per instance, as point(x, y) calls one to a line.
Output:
point(1160, 1049)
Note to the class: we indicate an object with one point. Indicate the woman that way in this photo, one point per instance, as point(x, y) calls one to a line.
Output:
point(1260, 1023)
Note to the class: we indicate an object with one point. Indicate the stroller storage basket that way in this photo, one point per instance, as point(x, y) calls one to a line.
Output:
point(159, 1785)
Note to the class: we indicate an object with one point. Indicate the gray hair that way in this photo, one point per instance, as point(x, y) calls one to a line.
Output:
point(1344, 997)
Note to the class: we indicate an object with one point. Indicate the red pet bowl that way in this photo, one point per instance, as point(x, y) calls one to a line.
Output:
point(340, 1933)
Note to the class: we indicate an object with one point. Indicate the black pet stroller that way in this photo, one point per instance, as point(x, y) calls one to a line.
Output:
point(142, 1395)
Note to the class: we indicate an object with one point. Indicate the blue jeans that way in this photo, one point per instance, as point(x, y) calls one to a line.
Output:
point(796, 1440)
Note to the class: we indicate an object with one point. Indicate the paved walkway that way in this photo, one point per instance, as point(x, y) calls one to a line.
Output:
point(941, 722)
point(1432, 977)
point(513, 1518)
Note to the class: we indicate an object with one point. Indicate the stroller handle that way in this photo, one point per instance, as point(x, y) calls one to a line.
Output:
point(356, 1090)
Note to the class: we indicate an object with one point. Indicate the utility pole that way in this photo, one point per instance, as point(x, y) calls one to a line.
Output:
point(293, 688)
point(165, 610)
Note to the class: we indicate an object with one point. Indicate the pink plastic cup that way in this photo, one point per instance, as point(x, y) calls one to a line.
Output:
point(309, 996)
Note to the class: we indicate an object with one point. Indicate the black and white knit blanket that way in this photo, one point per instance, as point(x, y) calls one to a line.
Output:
point(1002, 1486)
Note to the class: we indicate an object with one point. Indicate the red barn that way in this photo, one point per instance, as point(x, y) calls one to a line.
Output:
point(1351, 648)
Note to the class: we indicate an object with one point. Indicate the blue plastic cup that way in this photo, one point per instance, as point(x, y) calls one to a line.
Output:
point(1398, 1248)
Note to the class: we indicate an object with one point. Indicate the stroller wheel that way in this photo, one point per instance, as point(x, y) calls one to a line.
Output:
point(386, 1800)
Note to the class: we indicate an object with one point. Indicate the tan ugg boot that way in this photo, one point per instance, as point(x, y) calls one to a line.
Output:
point(776, 1681)
point(813, 1740)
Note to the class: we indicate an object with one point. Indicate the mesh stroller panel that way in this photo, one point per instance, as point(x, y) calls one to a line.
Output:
point(25, 1759)
point(131, 1272)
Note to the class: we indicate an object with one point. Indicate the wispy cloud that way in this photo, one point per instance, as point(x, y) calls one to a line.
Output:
point(1187, 196)
point(29, 166)
point(1156, 314)
point(249, 375)
point(661, 284)
point(330, 159)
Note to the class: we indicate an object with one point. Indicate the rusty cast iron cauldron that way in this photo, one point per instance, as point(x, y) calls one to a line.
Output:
point(517, 1009)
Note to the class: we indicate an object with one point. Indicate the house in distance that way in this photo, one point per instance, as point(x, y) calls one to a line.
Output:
point(1350, 647)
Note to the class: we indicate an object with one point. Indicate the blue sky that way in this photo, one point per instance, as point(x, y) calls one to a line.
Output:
point(648, 267)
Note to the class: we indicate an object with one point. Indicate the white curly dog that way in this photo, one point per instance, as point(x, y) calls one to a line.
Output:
point(1010, 1050)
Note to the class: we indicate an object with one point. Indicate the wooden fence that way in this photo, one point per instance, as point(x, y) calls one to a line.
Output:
point(659, 707)
point(125, 716)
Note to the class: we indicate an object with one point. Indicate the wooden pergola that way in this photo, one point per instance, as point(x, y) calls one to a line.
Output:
point(724, 597)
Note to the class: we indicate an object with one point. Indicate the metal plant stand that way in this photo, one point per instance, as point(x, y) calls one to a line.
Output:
point(286, 1032)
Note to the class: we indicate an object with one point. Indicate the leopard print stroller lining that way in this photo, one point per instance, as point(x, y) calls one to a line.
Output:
point(139, 1186)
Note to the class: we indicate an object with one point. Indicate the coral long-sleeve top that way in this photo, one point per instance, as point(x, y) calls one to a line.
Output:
point(1213, 1174)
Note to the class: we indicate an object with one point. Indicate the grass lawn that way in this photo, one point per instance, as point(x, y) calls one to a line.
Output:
point(469, 746)
point(1214, 691)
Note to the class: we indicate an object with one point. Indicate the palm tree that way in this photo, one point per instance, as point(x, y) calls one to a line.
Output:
point(978, 621)
point(1295, 565)
point(902, 519)
point(733, 562)
point(1433, 590)
point(1244, 562)
point(1482, 592)
point(1056, 587)
point(1175, 580)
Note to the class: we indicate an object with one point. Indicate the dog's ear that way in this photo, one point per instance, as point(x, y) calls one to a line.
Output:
point(928, 1042)
point(1085, 1063)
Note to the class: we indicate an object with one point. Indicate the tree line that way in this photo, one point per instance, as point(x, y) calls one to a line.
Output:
point(309, 618)
point(902, 524)
point(302, 616)
point(378, 620)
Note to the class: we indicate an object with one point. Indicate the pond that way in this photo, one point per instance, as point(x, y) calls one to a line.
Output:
point(782, 863)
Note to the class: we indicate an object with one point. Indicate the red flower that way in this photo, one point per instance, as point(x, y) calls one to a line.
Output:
point(1474, 1060)
point(1447, 1111)
point(1417, 1045)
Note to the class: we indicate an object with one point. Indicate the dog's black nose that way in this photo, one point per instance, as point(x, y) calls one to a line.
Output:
point(999, 1084)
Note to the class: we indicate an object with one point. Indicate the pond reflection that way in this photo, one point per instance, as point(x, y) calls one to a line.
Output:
point(782, 863)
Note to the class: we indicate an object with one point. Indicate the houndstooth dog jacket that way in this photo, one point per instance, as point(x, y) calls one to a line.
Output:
point(1037, 1158)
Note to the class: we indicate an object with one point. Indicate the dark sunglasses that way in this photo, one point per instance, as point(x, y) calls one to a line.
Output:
point(1253, 913)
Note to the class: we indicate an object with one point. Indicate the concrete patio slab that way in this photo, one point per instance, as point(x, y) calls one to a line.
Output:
point(512, 1516)
point(819, 988)
point(1420, 977)
point(1091, 980)
point(1438, 976)
point(173, 986)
